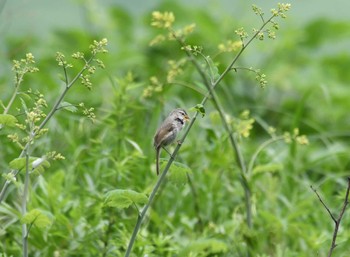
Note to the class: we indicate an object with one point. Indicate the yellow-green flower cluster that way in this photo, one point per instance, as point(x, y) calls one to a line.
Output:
point(30, 125)
point(24, 66)
point(270, 32)
point(175, 69)
point(158, 39)
point(193, 48)
point(88, 112)
point(55, 156)
point(78, 55)
point(241, 33)
point(61, 60)
point(281, 10)
point(155, 86)
point(300, 139)
point(244, 124)
point(230, 46)
point(181, 33)
point(165, 20)
point(35, 114)
point(261, 78)
point(99, 46)
point(257, 10)
point(162, 20)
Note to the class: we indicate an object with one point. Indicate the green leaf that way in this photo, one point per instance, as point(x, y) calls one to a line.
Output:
point(8, 120)
point(178, 174)
point(124, 198)
point(39, 164)
point(271, 167)
point(214, 71)
point(68, 106)
point(24, 105)
point(200, 108)
point(25, 96)
point(37, 218)
point(135, 145)
point(204, 247)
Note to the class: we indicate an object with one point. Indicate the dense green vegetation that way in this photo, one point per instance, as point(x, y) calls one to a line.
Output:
point(240, 182)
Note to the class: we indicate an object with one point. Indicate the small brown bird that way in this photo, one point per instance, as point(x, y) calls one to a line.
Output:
point(168, 131)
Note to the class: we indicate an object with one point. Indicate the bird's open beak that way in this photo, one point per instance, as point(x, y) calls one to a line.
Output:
point(187, 118)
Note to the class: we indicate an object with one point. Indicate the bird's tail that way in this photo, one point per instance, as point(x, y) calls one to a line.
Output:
point(157, 159)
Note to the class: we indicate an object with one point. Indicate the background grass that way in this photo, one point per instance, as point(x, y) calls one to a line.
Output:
point(307, 73)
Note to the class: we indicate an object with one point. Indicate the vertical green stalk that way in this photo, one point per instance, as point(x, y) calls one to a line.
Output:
point(142, 214)
point(233, 141)
point(210, 87)
point(24, 206)
point(13, 97)
point(46, 120)
point(237, 151)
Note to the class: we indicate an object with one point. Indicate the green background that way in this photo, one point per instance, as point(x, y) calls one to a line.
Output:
point(307, 68)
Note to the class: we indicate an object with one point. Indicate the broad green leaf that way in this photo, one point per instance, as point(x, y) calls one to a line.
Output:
point(8, 120)
point(200, 108)
point(204, 247)
point(124, 198)
point(178, 174)
point(68, 106)
point(39, 164)
point(37, 218)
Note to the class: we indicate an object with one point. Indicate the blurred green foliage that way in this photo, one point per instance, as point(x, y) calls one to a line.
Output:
point(306, 68)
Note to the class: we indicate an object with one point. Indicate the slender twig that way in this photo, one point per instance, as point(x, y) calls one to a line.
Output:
point(324, 205)
point(335, 220)
point(18, 82)
point(232, 138)
point(210, 85)
point(24, 206)
point(13, 97)
point(142, 214)
point(45, 121)
point(244, 46)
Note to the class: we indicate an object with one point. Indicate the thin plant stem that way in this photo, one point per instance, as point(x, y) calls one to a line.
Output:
point(24, 206)
point(238, 154)
point(141, 215)
point(232, 138)
point(338, 220)
point(210, 87)
point(13, 97)
point(46, 120)
point(244, 46)
point(15, 92)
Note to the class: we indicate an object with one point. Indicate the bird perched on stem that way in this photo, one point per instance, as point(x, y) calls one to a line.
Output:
point(168, 131)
